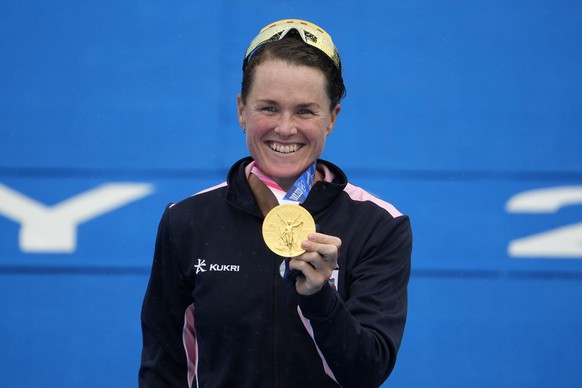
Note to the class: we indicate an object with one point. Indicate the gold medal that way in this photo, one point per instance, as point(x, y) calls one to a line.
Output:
point(285, 227)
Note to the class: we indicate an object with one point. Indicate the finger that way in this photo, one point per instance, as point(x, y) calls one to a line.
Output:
point(314, 267)
point(328, 252)
point(325, 239)
point(313, 259)
point(312, 278)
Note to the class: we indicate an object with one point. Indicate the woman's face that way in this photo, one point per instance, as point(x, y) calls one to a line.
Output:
point(286, 118)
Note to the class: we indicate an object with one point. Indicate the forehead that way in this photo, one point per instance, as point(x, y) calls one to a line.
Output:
point(279, 77)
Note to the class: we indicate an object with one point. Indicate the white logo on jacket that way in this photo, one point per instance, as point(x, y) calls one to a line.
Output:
point(201, 267)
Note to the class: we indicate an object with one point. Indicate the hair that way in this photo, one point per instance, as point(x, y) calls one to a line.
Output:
point(294, 50)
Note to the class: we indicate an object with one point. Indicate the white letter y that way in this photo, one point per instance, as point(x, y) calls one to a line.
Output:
point(54, 229)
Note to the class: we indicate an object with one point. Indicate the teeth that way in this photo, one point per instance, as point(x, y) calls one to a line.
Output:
point(284, 149)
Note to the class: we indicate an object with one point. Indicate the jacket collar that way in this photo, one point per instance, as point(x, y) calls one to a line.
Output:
point(243, 195)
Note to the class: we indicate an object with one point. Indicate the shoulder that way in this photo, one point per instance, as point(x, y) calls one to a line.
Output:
point(198, 201)
point(355, 196)
point(359, 195)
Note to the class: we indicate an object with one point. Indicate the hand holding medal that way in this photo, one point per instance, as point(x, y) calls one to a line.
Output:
point(285, 229)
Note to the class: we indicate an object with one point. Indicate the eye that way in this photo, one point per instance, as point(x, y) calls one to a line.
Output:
point(268, 109)
point(305, 112)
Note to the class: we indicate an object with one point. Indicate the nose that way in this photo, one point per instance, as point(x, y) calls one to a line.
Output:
point(286, 125)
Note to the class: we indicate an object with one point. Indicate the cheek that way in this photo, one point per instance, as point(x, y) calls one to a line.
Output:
point(260, 124)
point(321, 136)
point(321, 144)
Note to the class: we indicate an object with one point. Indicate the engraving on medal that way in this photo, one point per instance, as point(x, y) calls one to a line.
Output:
point(285, 227)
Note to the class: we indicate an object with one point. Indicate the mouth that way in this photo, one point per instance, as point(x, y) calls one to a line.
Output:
point(284, 148)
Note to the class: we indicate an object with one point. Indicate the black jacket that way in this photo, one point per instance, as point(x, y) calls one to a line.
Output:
point(218, 314)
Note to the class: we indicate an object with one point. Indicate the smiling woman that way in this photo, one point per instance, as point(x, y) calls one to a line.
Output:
point(287, 119)
point(250, 271)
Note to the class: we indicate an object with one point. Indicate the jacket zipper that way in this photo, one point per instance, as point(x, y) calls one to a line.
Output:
point(275, 327)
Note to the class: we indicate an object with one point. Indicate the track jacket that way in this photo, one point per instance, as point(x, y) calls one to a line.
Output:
point(218, 314)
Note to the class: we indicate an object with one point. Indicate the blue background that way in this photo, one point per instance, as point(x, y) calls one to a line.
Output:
point(453, 108)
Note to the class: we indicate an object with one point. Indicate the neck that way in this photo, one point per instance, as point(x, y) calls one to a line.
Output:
point(293, 189)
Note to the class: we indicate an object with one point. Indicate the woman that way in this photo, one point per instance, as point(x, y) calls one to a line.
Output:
point(217, 312)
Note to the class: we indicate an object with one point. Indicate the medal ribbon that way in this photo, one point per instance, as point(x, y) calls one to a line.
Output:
point(298, 191)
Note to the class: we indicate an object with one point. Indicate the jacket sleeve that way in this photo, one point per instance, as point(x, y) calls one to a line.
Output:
point(359, 336)
point(163, 360)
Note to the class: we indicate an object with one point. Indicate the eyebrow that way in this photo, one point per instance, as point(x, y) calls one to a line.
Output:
point(266, 101)
point(302, 105)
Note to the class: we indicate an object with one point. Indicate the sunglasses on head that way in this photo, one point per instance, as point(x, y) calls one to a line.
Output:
point(309, 32)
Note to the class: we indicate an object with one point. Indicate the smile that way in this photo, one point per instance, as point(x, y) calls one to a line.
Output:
point(285, 148)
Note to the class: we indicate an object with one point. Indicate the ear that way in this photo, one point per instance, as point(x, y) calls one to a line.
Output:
point(334, 113)
point(241, 116)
